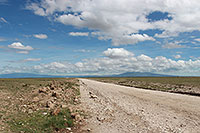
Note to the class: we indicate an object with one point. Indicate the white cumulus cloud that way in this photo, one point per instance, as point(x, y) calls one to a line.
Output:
point(41, 36)
point(112, 65)
point(3, 20)
point(197, 39)
point(173, 46)
point(117, 53)
point(22, 52)
point(31, 59)
point(79, 33)
point(119, 19)
point(177, 56)
point(20, 46)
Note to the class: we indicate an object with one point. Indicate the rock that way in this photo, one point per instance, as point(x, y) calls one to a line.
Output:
point(43, 90)
point(93, 96)
point(24, 85)
point(100, 119)
point(45, 113)
point(30, 111)
point(21, 99)
point(36, 99)
point(70, 109)
point(54, 94)
point(64, 106)
point(73, 115)
point(75, 100)
point(90, 93)
point(68, 128)
point(88, 129)
point(77, 117)
point(52, 87)
point(56, 111)
point(50, 105)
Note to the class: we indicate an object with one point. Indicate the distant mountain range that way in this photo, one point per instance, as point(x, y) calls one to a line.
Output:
point(26, 75)
point(141, 74)
point(127, 74)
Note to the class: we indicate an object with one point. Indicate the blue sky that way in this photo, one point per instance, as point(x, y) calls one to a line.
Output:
point(67, 37)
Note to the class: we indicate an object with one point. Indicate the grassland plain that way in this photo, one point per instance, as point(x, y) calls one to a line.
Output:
point(183, 85)
point(40, 105)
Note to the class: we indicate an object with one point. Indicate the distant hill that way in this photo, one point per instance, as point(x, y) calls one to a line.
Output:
point(27, 75)
point(140, 74)
point(127, 74)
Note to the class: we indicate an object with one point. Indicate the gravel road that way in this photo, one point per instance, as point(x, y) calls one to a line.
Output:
point(119, 109)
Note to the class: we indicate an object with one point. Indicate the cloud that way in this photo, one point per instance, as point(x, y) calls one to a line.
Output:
point(130, 39)
point(3, 2)
point(117, 53)
point(110, 65)
point(142, 63)
point(26, 60)
point(79, 33)
point(173, 45)
point(2, 39)
point(3, 20)
point(35, 7)
point(179, 52)
point(22, 52)
point(41, 36)
point(31, 59)
point(177, 56)
point(197, 39)
point(19, 46)
point(84, 50)
point(117, 20)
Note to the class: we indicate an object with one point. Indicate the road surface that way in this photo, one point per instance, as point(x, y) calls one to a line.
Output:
point(119, 109)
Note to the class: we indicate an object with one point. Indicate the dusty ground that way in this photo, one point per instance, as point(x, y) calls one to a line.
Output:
point(120, 109)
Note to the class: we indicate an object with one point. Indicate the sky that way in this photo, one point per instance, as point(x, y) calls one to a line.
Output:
point(100, 37)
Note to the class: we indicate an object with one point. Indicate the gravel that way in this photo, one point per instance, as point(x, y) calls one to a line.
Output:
point(120, 109)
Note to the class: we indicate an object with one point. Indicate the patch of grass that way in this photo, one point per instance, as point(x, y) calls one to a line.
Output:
point(40, 123)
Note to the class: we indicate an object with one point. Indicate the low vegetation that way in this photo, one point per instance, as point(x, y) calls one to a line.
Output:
point(39, 105)
point(184, 85)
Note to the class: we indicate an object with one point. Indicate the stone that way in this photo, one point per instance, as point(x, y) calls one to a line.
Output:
point(42, 90)
point(77, 117)
point(36, 99)
point(50, 105)
point(30, 111)
point(64, 106)
point(68, 128)
point(45, 113)
point(100, 119)
point(75, 100)
point(73, 115)
point(55, 94)
point(88, 129)
point(56, 111)
point(93, 96)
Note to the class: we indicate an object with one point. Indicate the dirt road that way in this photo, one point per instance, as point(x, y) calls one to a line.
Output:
point(119, 109)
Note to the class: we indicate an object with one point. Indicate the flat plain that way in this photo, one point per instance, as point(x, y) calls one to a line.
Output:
point(183, 85)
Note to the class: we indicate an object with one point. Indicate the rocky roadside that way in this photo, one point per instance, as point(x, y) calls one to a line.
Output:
point(51, 101)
